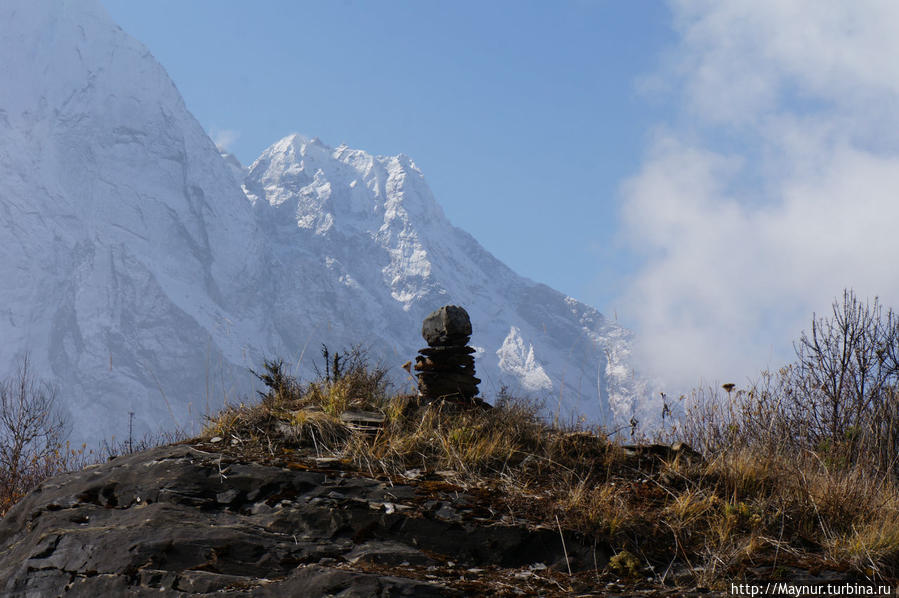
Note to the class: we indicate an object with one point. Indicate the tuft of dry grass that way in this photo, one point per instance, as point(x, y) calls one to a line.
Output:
point(869, 545)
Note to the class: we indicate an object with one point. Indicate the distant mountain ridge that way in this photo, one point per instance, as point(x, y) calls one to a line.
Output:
point(144, 272)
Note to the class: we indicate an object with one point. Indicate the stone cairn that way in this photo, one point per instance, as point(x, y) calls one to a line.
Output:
point(446, 367)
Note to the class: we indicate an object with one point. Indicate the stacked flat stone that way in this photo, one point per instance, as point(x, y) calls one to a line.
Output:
point(446, 367)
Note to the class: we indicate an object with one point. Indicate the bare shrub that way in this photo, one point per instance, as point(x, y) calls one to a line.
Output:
point(31, 434)
point(847, 370)
point(838, 399)
point(809, 451)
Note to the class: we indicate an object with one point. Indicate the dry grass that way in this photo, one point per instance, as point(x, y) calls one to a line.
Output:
point(800, 469)
point(869, 545)
point(754, 499)
point(739, 506)
point(717, 517)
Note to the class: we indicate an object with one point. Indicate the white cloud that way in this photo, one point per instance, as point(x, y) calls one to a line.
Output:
point(776, 187)
point(738, 59)
point(223, 138)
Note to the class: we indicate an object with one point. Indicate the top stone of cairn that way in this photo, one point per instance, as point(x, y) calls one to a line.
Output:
point(448, 325)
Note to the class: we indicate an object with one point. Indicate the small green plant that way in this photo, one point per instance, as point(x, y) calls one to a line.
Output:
point(625, 564)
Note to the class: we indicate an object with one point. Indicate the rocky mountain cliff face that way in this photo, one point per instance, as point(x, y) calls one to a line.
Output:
point(143, 275)
point(125, 246)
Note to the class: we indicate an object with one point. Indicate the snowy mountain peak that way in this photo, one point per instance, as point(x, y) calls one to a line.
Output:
point(144, 271)
point(389, 244)
point(343, 190)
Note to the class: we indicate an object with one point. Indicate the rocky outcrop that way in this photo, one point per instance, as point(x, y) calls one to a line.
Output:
point(185, 521)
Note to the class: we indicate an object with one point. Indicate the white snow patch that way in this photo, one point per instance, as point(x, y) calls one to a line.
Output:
point(516, 357)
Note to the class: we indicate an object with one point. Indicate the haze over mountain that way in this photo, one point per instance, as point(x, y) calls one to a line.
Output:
point(143, 271)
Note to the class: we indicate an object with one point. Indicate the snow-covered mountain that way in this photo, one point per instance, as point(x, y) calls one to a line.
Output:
point(143, 275)
point(360, 244)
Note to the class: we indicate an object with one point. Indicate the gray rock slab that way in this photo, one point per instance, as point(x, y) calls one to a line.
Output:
point(177, 521)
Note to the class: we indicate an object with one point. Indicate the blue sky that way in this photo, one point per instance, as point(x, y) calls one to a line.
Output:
point(711, 172)
point(524, 116)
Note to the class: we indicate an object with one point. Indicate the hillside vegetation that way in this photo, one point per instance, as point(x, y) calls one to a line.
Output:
point(797, 472)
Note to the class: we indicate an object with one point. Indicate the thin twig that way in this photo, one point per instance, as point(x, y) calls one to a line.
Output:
point(565, 550)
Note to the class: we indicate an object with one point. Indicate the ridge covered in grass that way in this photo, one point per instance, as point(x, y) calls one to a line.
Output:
point(664, 510)
point(794, 477)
